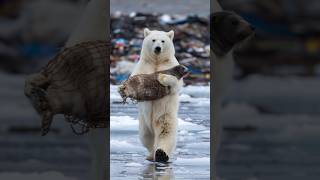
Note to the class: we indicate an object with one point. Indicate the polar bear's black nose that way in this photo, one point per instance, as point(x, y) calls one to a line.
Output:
point(157, 50)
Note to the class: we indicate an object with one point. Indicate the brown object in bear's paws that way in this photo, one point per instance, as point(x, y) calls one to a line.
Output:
point(161, 156)
point(146, 87)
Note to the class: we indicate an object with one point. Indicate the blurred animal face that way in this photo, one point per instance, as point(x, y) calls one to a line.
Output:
point(228, 30)
point(126, 90)
point(181, 71)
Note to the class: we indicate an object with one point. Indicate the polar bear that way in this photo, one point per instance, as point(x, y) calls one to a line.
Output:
point(158, 118)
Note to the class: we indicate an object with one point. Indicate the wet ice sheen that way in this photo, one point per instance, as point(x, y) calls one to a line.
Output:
point(191, 160)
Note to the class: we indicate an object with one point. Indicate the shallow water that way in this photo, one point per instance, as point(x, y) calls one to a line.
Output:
point(191, 160)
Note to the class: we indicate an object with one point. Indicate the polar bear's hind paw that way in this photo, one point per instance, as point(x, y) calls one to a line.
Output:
point(161, 156)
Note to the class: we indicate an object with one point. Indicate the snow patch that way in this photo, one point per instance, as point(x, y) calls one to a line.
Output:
point(118, 146)
point(197, 91)
point(199, 146)
point(123, 123)
point(132, 164)
point(203, 161)
point(127, 123)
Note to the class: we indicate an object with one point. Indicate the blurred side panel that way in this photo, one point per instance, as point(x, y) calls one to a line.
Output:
point(270, 115)
point(31, 34)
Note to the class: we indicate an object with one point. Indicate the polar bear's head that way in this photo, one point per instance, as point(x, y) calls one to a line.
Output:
point(157, 45)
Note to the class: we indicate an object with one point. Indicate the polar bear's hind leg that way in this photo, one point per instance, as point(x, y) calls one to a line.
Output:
point(146, 137)
point(165, 137)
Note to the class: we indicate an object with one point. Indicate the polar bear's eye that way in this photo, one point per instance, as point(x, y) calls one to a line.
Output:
point(162, 41)
point(153, 40)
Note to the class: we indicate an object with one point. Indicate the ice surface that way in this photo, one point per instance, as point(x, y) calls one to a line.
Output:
point(205, 161)
point(197, 91)
point(127, 123)
point(123, 123)
point(191, 158)
point(123, 146)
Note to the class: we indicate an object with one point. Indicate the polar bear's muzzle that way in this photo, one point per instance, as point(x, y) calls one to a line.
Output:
point(157, 50)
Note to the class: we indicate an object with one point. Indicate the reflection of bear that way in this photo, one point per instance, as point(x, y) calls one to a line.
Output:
point(158, 118)
point(147, 87)
point(162, 172)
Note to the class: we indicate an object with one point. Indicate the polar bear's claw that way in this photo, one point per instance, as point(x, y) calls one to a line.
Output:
point(161, 156)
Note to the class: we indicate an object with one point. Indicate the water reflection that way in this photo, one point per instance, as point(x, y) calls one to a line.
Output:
point(158, 171)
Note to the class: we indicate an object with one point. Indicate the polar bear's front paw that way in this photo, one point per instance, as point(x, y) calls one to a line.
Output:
point(162, 78)
point(161, 156)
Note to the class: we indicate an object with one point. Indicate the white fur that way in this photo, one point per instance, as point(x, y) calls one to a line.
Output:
point(93, 26)
point(169, 80)
point(164, 110)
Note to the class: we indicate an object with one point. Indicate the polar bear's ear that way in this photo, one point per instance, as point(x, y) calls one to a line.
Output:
point(170, 34)
point(146, 32)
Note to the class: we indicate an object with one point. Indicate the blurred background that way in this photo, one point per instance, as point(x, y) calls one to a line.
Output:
point(188, 19)
point(287, 39)
point(271, 115)
point(31, 33)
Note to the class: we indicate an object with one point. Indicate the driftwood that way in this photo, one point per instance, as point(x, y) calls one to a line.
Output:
point(146, 87)
point(73, 83)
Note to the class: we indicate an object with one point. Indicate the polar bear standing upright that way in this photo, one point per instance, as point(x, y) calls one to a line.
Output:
point(158, 119)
